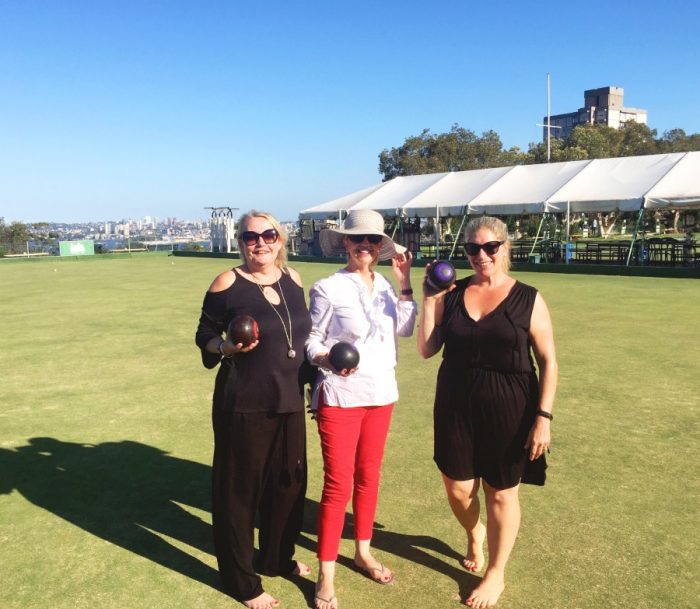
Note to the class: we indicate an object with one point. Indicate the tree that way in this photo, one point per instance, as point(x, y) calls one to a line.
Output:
point(599, 141)
point(673, 140)
point(13, 238)
point(676, 140)
point(559, 151)
point(637, 139)
point(16, 234)
point(513, 156)
point(457, 150)
point(461, 149)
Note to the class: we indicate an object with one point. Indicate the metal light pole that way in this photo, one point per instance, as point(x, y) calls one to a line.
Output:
point(549, 120)
point(549, 125)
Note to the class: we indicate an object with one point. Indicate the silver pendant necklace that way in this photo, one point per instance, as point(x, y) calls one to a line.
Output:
point(291, 354)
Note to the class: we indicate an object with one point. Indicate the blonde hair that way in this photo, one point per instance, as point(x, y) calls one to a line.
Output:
point(498, 228)
point(281, 260)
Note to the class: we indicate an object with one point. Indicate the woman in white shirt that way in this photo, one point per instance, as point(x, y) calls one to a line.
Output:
point(353, 407)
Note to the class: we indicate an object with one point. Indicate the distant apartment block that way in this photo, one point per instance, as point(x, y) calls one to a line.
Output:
point(602, 106)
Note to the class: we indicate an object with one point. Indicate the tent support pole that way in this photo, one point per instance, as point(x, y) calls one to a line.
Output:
point(437, 232)
point(459, 232)
point(568, 231)
point(634, 237)
point(396, 226)
point(539, 228)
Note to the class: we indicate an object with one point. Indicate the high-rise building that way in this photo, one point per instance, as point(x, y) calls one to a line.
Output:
point(602, 106)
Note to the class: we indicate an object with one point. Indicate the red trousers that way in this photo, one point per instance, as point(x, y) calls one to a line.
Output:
point(352, 444)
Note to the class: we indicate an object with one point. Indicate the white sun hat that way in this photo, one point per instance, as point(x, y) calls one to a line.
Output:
point(359, 222)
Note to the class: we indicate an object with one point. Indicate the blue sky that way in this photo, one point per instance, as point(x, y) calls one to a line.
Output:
point(111, 110)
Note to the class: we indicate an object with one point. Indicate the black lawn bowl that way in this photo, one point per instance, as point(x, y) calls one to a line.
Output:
point(343, 356)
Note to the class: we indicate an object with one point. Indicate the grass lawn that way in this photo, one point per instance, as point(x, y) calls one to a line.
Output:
point(105, 447)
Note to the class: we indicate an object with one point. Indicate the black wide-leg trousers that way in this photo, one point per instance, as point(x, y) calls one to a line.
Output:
point(259, 469)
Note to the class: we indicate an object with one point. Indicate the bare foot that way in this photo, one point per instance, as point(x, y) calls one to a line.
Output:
point(301, 569)
point(486, 594)
point(264, 601)
point(324, 596)
point(474, 560)
point(375, 570)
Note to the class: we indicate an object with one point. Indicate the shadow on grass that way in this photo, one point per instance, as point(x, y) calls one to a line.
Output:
point(130, 494)
point(124, 492)
point(414, 548)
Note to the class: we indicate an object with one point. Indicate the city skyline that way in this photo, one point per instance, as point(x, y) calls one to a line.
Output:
point(131, 110)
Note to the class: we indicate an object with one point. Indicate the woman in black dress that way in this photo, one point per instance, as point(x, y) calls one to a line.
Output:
point(492, 415)
point(258, 412)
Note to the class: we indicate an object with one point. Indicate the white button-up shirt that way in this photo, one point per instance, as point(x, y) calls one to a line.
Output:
point(343, 309)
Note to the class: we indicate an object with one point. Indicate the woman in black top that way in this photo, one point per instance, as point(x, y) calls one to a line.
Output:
point(258, 412)
point(492, 414)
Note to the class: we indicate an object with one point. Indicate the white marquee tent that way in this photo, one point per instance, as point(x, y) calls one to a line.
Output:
point(599, 185)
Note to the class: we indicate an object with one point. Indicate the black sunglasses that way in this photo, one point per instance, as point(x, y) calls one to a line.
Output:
point(490, 247)
point(373, 239)
point(250, 237)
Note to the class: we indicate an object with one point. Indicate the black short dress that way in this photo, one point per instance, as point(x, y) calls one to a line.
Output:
point(487, 392)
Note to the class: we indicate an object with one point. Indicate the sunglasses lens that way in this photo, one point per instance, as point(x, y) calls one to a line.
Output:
point(373, 239)
point(269, 236)
point(491, 247)
point(251, 238)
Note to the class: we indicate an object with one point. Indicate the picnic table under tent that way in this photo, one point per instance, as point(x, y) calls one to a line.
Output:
point(624, 184)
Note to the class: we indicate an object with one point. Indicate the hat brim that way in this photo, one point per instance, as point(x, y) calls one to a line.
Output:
point(331, 240)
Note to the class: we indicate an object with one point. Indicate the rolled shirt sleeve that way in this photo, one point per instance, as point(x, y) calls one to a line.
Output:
point(406, 312)
point(321, 311)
